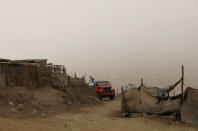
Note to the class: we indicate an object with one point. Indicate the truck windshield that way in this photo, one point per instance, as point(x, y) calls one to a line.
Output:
point(103, 83)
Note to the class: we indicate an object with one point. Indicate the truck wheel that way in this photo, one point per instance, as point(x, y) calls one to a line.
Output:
point(99, 97)
point(112, 97)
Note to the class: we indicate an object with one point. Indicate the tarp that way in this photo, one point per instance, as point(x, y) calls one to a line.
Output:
point(189, 108)
point(146, 100)
point(131, 101)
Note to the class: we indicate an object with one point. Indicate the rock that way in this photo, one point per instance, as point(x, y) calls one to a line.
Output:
point(43, 114)
point(21, 107)
point(13, 109)
point(33, 111)
point(11, 103)
point(69, 103)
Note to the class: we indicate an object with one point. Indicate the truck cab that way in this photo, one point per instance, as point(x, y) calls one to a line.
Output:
point(104, 89)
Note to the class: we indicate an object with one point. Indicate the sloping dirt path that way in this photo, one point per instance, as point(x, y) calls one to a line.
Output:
point(99, 118)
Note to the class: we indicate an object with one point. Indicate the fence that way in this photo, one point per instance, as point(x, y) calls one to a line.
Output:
point(36, 74)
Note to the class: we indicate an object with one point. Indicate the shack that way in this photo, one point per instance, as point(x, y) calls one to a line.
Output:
point(36, 73)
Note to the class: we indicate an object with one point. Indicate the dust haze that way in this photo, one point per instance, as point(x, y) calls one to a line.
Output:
point(117, 40)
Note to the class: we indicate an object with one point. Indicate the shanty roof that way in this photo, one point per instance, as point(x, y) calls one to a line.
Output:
point(31, 61)
point(4, 60)
point(22, 62)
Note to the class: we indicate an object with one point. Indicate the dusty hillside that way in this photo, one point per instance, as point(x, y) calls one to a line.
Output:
point(103, 117)
point(22, 101)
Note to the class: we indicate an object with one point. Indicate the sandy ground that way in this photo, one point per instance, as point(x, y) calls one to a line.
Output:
point(103, 117)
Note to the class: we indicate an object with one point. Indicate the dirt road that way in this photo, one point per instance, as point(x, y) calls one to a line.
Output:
point(99, 118)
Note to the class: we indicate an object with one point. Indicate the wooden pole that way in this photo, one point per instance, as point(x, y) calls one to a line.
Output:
point(142, 82)
point(7, 75)
point(122, 89)
point(51, 75)
point(182, 83)
point(64, 76)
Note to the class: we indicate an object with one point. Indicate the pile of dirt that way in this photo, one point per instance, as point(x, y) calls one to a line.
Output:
point(22, 101)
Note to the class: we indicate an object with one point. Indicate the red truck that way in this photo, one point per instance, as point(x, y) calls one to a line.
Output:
point(104, 89)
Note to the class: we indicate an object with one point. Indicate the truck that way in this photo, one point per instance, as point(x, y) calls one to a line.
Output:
point(104, 89)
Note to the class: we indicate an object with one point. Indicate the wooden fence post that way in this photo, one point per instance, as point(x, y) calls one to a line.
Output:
point(182, 83)
point(7, 75)
point(51, 75)
point(64, 76)
point(142, 82)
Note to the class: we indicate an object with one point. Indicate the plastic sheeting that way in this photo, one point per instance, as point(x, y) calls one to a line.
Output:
point(146, 100)
point(189, 108)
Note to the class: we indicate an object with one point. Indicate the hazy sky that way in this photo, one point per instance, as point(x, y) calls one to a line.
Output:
point(119, 40)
